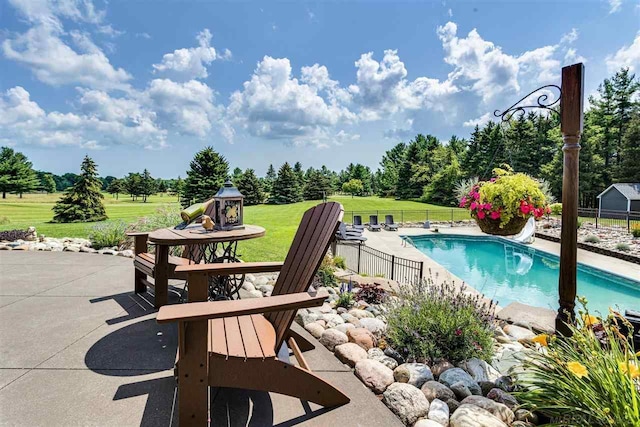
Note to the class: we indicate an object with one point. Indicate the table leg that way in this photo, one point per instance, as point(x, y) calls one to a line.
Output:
point(161, 276)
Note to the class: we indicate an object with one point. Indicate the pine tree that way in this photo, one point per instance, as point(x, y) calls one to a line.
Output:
point(116, 187)
point(16, 173)
point(237, 173)
point(297, 169)
point(441, 189)
point(133, 184)
point(286, 188)
point(317, 185)
point(48, 184)
point(630, 167)
point(208, 172)
point(83, 201)
point(249, 185)
point(147, 185)
point(269, 179)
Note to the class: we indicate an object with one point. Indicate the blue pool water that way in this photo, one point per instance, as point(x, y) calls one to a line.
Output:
point(508, 272)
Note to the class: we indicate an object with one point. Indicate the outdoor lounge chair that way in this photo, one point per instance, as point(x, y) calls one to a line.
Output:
point(344, 234)
point(357, 222)
point(389, 224)
point(373, 223)
point(237, 343)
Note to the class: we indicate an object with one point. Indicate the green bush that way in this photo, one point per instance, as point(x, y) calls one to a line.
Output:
point(325, 273)
point(431, 321)
point(164, 217)
point(340, 262)
point(592, 239)
point(556, 209)
point(589, 379)
point(636, 231)
point(624, 247)
point(108, 234)
point(345, 300)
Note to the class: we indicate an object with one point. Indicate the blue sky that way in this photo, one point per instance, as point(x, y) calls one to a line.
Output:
point(138, 84)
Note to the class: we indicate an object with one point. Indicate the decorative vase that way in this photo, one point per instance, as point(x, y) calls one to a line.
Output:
point(492, 226)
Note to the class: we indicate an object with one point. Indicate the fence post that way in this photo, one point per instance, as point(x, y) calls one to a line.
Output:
point(427, 211)
point(421, 270)
point(452, 217)
point(597, 215)
point(628, 223)
point(393, 264)
point(402, 217)
point(359, 250)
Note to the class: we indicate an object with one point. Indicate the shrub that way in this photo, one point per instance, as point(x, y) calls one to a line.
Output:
point(371, 294)
point(13, 235)
point(345, 300)
point(636, 231)
point(164, 217)
point(624, 247)
point(556, 209)
point(325, 275)
point(592, 239)
point(430, 321)
point(108, 234)
point(591, 378)
point(579, 223)
point(340, 262)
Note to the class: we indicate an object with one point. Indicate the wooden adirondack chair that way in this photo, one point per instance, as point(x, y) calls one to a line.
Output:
point(236, 343)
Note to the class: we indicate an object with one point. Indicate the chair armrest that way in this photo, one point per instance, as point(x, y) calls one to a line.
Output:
point(219, 309)
point(228, 268)
point(140, 241)
point(138, 233)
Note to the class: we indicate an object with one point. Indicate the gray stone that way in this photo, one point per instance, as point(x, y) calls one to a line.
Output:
point(394, 355)
point(344, 327)
point(332, 319)
point(86, 249)
point(480, 370)
point(127, 253)
point(72, 249)
point(330, 338)
point(439, 412)
point(265, 289)
point(435, 390)
point(453, 375)
point(497, 409)
point(486, 386)
point(505, 383)
point(378, 355)
point(374, 375)
point(376, 326)
point(460, 390)
point(427, 423)
point(261, 280)
point(453, 404)
point(248, 286)
point(406, 401)
point(415, 374)
point(518, 332)
point(250, 278)
point(315, 329)
point(503, 397)
point(303, 317)
point(526, 416)
point(350, 353)
point(349, 318)
point(254, 294)
point(440, 366)
point(474, 416)
point(360, 314)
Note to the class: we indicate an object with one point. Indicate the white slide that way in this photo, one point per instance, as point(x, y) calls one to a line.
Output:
point(527, 233)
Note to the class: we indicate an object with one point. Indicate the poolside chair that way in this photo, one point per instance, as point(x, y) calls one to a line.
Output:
point(238, 343)
point(357, 222)
point(373, 223)
point(389, 224)
point(344, 234)
point(634, 318)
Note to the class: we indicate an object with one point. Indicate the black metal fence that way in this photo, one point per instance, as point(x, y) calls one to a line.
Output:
point(404, 216)
point(362, 259)
point(610, 219)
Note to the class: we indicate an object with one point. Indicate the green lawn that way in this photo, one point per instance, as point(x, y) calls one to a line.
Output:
point(280, 221)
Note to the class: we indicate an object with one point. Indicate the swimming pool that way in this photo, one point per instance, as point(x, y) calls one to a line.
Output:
point(508, 272)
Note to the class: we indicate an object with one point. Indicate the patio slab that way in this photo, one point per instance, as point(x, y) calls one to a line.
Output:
point(88, 351)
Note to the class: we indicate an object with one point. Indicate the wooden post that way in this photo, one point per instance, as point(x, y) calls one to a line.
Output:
point(571, 116)
point(161, 276)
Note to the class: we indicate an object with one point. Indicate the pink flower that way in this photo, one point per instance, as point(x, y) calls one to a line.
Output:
point(538, 212)
point(486, 206)
point(463, 202)
point(495, 215)
point(525, 208)
point(475, 195)
point(458, 332)
point(481, 214)
point(547, 210)
point(473, 206)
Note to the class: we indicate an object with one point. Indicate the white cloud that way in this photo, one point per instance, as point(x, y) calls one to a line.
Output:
point(614, 5)
point(480, 121)
point(144, 35)
point(191, 63)
point(626, 56)
point(570, 37)
point(275, 105)
point(48, 12)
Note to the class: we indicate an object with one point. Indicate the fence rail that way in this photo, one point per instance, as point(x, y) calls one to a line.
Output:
point(362, 259)
point(403, 216)
point(611, 219)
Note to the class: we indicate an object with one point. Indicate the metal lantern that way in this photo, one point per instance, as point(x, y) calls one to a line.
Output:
point(228, 208)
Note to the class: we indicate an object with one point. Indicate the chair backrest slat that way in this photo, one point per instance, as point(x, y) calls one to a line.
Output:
point(317, 228)
point(373, 219)
point(388, 219)
point(357, 220)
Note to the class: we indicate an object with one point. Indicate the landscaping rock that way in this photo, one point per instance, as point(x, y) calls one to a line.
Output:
point(441, 366)
point(439, 412)
point(315, 329)
point(254, 294)
point(330, 338)
point(332, 319)
point(518, 332)
point(480, 370)
point(127, 253)
point(345, 327)
point(349, 318)
point(486, 387)
point(360, 314)
point(350, 353)
point(260, 280)
point(415, 374)
point(73, 249)
point(427, 423)
point(526, 416)
point(394, 355)
point(363, 337)
point(248, 286)
point(374, 375)
point(86, 249)
point(453, 404)
point(460, 390)
point(304, 317)
point(378, 355)
point(474, 416)
point(435, 390)
point(375, 326)
point(453, 375)
point(497, 409)
point(250, 278)
point(503, 397)
point(505, 383)
point(406, 401)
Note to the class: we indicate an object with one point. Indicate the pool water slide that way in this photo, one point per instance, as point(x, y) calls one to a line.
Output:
point(527, 234)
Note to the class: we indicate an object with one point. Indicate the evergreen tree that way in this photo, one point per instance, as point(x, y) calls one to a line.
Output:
point(48, 184)
point(269, 179)
point(16, 173)
point(116, 187)
point(391, 162)
point(249, 185)
point(297, 169)
point(208, 172)
point(630, 167)
point(625, 87)
point(317, 185)
point(133, 184)
point(237, 173)
point(178, 187)
point(83, 201)
point(285, 188)
point(161, 186)
point(441, 189)
point(147, 185)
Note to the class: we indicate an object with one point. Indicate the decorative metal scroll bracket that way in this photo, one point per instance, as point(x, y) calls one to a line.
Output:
point(542, 102)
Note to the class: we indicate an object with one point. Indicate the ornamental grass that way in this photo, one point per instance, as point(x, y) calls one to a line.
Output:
point(589, 379)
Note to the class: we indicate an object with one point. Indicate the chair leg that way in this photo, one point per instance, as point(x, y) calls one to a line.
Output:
point(139, 285)
point(303, 343)
point(193, 392)
point(273, 375)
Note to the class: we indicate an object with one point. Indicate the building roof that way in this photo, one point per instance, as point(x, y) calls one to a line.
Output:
point(629, 190)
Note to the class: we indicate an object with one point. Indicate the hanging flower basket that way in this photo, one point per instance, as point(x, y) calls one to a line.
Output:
point(503, 205)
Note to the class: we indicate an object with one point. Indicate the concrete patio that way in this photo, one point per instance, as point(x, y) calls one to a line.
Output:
point(78, 348)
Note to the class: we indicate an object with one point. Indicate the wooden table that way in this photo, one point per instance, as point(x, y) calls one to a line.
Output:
point(202, 246)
